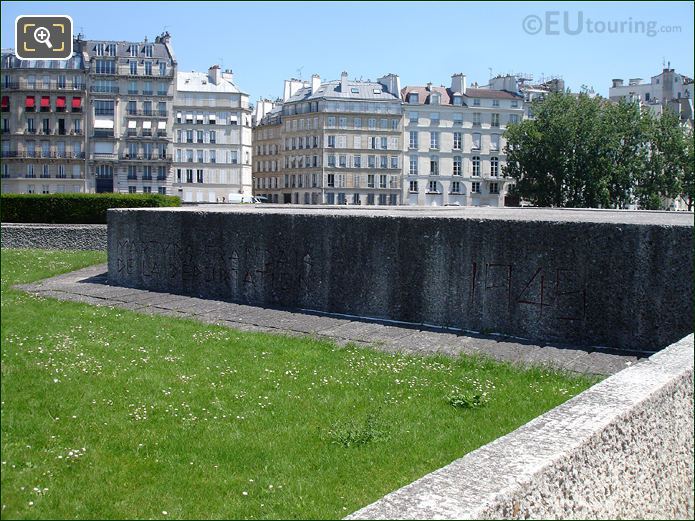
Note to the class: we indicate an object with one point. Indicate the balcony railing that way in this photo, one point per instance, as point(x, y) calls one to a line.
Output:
point(41, 85)
point(104, 89)
point(103, 133)
point(148, 113)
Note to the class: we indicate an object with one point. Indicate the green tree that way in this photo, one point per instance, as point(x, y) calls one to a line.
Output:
point(688, 177)
point(582, 151)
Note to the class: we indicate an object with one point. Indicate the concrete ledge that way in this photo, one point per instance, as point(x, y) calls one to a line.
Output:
point(593, 278)
point(54, 236)
point(621, 450)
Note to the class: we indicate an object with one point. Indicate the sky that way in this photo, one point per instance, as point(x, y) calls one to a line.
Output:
point(264, 43)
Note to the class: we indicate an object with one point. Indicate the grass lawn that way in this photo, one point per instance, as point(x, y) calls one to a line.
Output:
point(107, 413)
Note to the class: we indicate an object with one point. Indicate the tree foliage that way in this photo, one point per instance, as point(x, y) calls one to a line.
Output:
point(586, 152)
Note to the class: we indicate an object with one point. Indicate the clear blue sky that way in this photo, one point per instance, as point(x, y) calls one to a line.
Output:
point(267, 42)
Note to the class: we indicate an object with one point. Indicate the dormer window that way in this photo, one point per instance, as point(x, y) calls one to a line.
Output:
point(111, 49)
point(99, 49)
point(435, 99)
point(458, 100)
point(148, 50)
point(355, 90)
point(476, 102)
point(133, 51)
point(376, 91)
point(413, 97)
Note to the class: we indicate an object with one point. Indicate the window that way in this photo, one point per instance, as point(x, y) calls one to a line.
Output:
point(494, 166)
point(357, 161)
point(132, 172)
point(435, 99)
point(413, 97)
point(199, 175)
point(131, 109)
point(383, 162)
point(331, 160)
point(105, 67)
point(432, 187)
point(412, 187)
point(394, 161)
point(162, 68)
point(495, 103)
point(371, 123)
point(342, 161)
point(394, 124)
point(476, 141)
point(413, 165)
point(189, 175)
point(475, 187)
point(475, 166)
point(494, 188)
point(132, 190)
point(370, 181)
point(434, 118)
point(330, 180)
point(331, 142)
point(476, 102)
point(434, 140)
point(476, 119)
point(373, 142)
point(213, 137)
point(458, 100)
point(330, 122)
point(133, 51)
point(434, 165)
point(413, 117)
point(199, 136)
point(357, 122)
point(342, 122)
point(495, 120)
point(457, 165)
point(494, 142)
point(456, 187)
point(147, 173)
point(513, 118)
point(148, 50)
point(458, 118)
point(382, 181)
point(384, 143)
point(384, 124)
point(515, 104)
point(133, 67)
point(103, 108)
point(371, 161)
point(146, 189)
point(162, 190)
point(457, 140)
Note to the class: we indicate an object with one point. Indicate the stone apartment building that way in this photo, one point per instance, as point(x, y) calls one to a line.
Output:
point(43, 125)
point(98, 122)
point(129, 115)
point(341, 143)
point(212, 137)
point(453, 144)
point(267, 142)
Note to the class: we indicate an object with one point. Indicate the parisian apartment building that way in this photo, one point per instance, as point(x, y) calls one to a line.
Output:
point(375, 143)
point(44, 125)
point(212, 137)
point(334, 142)
point(104, 121)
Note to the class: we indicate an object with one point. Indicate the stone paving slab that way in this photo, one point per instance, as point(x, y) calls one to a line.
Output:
point(89, 286)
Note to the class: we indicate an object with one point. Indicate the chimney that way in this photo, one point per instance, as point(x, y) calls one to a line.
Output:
point(316, 82)
point(291, 87)
point(228, 75)
point(391, 83)
point(343, 82)
point(215, 74)
point(458, 83)
point(635, 81)
point(429, 86)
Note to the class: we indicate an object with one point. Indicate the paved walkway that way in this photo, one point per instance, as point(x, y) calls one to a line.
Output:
point(90, 286)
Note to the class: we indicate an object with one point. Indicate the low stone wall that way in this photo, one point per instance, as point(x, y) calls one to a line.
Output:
point(605, 278)
point(54, 236)
point(623, 449)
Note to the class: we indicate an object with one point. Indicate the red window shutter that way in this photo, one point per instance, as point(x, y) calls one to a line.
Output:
point(60, 102)
point(30, 102)
point(45, 101)
point(5, 102)
point(76, 102)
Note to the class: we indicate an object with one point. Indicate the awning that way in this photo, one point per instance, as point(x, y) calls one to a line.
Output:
point(5, 102)
point(45, 101)
point(189, 117)
point(179, 115)
point(132, 124)
point(103, 123)
point(76, 102)
point(146, 125)
point(162, 125)
point(60, 102)
point(30, 103)
point(199, 117)
point(213, 118)
point(233, 120)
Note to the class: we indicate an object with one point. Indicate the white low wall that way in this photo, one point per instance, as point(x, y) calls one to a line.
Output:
point(621, 449)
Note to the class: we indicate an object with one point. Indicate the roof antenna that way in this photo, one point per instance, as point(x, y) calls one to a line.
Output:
point(299, 71)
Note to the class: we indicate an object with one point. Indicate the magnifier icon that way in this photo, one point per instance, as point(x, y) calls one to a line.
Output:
point(42, 35)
